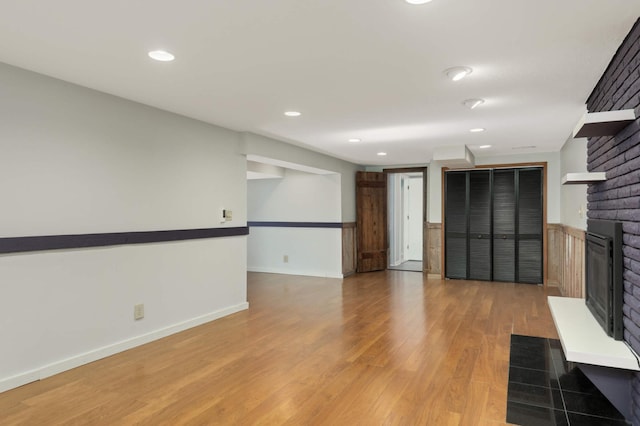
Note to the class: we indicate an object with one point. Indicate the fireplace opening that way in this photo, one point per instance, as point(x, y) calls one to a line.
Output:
point(604, 284)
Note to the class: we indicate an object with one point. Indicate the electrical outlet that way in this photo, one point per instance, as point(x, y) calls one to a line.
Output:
point(138, 311)
point(285, 259)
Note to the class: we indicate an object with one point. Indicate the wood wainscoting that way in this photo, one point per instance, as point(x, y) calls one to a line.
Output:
point(433, 243)
point(566, 259)
point(555, 254)
point(349, 254)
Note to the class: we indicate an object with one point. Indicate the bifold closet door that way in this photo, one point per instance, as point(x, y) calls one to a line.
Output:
point(504, 225)
point(456, 192)
point(494, 225)
point(480, 225)
point(530, 216)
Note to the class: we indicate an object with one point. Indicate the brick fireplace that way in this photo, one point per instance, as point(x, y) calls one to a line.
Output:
point(618, 198)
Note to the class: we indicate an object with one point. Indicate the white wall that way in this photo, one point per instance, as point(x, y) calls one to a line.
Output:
point(415, 214)
point(315, 252)
point(574, 197)
point(271, 148)
point(298, 197)
point(64, 308)
point(434, 192)
point(395, 215)
point(77, 161)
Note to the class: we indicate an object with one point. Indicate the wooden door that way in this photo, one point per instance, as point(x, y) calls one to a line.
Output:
point(371, 212)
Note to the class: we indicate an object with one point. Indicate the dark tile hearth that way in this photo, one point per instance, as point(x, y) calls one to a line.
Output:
point(545, 389)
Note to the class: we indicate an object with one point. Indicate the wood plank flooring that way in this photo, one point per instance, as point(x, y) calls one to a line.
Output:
point(381, 348)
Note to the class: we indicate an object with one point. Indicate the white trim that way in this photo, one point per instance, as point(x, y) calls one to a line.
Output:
point(105, 351)
point(605, 123)
point(583, 178)
point(305, 272)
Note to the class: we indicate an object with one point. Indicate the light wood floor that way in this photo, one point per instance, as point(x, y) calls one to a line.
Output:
point(377, 348)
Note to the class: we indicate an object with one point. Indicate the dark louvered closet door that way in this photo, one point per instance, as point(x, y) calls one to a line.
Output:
point(504, 225)
point(529, 224)
point(480, 225)
point(456, 225)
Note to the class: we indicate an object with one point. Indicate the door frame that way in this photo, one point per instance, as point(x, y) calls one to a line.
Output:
point(425, 233)
point(541, 164)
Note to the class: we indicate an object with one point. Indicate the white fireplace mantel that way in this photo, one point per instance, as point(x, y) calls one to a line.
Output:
point(582, 338)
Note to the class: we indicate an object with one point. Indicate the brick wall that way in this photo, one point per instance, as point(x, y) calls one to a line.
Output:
point(618, 198)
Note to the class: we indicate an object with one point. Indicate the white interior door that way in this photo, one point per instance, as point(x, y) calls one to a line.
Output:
point(406, 218)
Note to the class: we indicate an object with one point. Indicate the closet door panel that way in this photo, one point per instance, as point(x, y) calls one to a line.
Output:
point(480, 225)
point(530, 261)
point(530, 217)
point(456, 265)
point(504, 225)
point(456, 225)
point(480, 259)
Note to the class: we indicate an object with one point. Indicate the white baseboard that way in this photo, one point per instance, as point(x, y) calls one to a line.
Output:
point(105, 351)
point(287, 271)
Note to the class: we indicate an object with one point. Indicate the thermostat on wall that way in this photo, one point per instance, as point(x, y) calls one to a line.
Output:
point(225, 215)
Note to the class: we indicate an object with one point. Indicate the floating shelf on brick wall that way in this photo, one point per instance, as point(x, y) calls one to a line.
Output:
point(607, 123)
point(582, 338)
point(582, 178)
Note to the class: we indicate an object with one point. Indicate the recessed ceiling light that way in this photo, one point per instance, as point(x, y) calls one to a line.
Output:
point(457, 73)
point(382, 154)
point(477, 130)
point(417, 1)
point(355, 140)
point(161, 55)
point(293, 114)
point(484, 146)
point(473, 103)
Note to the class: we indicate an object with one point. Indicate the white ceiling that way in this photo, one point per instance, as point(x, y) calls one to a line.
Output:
point(368, 69)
